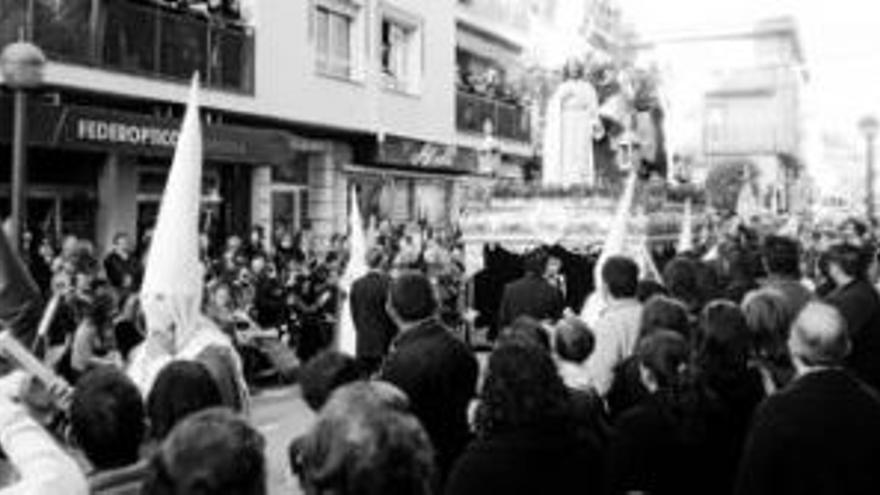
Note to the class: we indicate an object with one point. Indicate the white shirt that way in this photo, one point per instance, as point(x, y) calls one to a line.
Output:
point(616, 330)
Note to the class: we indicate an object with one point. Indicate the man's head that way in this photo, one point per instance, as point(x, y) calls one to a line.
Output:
point(411, 298)
point(554, 266)
point(782, 256)
point(847, 262)
point(121, 242)
point(535, 262)
point(182, 388)
point(621, 276)
point(574, 340)
point(323, 374)
point(213, 452)
point(107, 418)
point(818, 337)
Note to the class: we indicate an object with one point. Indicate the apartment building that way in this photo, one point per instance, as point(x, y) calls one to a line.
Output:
point(304, 101)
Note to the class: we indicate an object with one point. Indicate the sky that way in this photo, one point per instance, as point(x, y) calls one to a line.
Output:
point(841, 41)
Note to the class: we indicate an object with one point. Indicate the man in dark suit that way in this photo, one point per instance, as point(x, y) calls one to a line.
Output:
point(437, 371)
point(373, 326)
point(821, 435)
point(859, 303)
point(123, 270)
point(531, 295)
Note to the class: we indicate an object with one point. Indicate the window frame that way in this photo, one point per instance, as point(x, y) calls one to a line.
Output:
point(413, 27)
point(327, 64)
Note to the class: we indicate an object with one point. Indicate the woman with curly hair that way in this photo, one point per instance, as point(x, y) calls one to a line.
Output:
point(523, 443)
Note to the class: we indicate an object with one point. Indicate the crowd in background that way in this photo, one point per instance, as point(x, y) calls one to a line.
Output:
point(752, 367)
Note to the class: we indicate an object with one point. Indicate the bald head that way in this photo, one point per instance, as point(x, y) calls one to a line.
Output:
point(819, 336)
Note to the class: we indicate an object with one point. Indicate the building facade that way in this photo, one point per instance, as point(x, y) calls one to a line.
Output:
point(304, 101)
point(737, 95)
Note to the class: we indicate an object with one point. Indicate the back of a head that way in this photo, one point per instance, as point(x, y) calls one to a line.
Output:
point(323, 374)
point(212, 452)
point(680, 276)
point(107, 418)
point(535, 262)
point(182, 388)
point(661, 312)
point(522, 390)
point(768, 318)
point(411, 297)
point(782, 255)
point(574, 340)
point(725, 336)
point(648, 289)
point(525, 330)
point(819, 336)
point(666, 354)
point(851, 260)
point(621, 277)
point(366, 443)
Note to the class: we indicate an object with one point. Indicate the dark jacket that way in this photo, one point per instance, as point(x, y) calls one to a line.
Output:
point(527, 462)
point(122, 273)
point(859, 304)
point(439, 375)
point(530, 296)
point(659, 450)
point(374, 327)
point(821, 435)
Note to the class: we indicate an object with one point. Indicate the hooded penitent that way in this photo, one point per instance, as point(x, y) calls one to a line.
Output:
point(21, 304)
point(356, 268)
point(171, 294)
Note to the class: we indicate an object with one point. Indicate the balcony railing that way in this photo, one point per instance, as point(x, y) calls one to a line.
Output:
point(139, 39)
point(508, 121)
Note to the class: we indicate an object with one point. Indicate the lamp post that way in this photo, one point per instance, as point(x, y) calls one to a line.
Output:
point(869, 126)
point(21, 64)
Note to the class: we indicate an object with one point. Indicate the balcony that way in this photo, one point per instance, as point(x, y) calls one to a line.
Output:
point(509, 121)
point(146, 40)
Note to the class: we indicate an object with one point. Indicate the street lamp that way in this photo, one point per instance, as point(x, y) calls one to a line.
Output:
point(21, 64)
point(869, 126)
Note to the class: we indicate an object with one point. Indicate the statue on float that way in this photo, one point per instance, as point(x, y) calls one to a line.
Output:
point(572, 124)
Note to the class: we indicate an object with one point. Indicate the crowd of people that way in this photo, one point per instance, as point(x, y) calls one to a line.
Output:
point(752, 367)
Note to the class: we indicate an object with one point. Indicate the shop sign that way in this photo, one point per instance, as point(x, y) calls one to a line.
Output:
point(421, 154)
point(104, 131)
point(433, 155)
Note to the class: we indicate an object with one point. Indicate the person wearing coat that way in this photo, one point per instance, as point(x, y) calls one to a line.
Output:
point(821, 434)
point(373, 326)
point(531, 295)
point(436, 371)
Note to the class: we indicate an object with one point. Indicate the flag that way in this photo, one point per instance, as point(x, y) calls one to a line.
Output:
point(356, 268)
point(21, 304)
point(686, 237)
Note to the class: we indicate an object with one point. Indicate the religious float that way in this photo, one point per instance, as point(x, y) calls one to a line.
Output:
point(602, 136)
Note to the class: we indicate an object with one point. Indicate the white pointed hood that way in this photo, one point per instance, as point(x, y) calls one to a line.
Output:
point(686, 237)
point(173, 281)
point(356, 268)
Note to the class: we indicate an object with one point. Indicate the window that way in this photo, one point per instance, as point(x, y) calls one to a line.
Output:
point(335, 25)
point(400, 54)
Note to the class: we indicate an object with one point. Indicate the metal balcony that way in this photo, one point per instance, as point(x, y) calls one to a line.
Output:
point(141, 39)
point(509, 121)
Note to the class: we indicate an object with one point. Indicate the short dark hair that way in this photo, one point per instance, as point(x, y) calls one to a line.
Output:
point(412, 297)
point(621, 276)
point(182, 388)
point(648, 288)
point(525, 330)
point(574, 340)
point(665, 313)
point(681, 278)
point(851, 260)
point(782, 255)
point(535, 262)
point(107, 418)
point(211, 452)
point(323, 374)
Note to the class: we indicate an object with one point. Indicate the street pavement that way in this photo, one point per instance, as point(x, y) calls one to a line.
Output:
point(281, 415)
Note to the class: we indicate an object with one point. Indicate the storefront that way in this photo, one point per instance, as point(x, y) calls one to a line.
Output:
point(95, 171)
point(412, 180)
